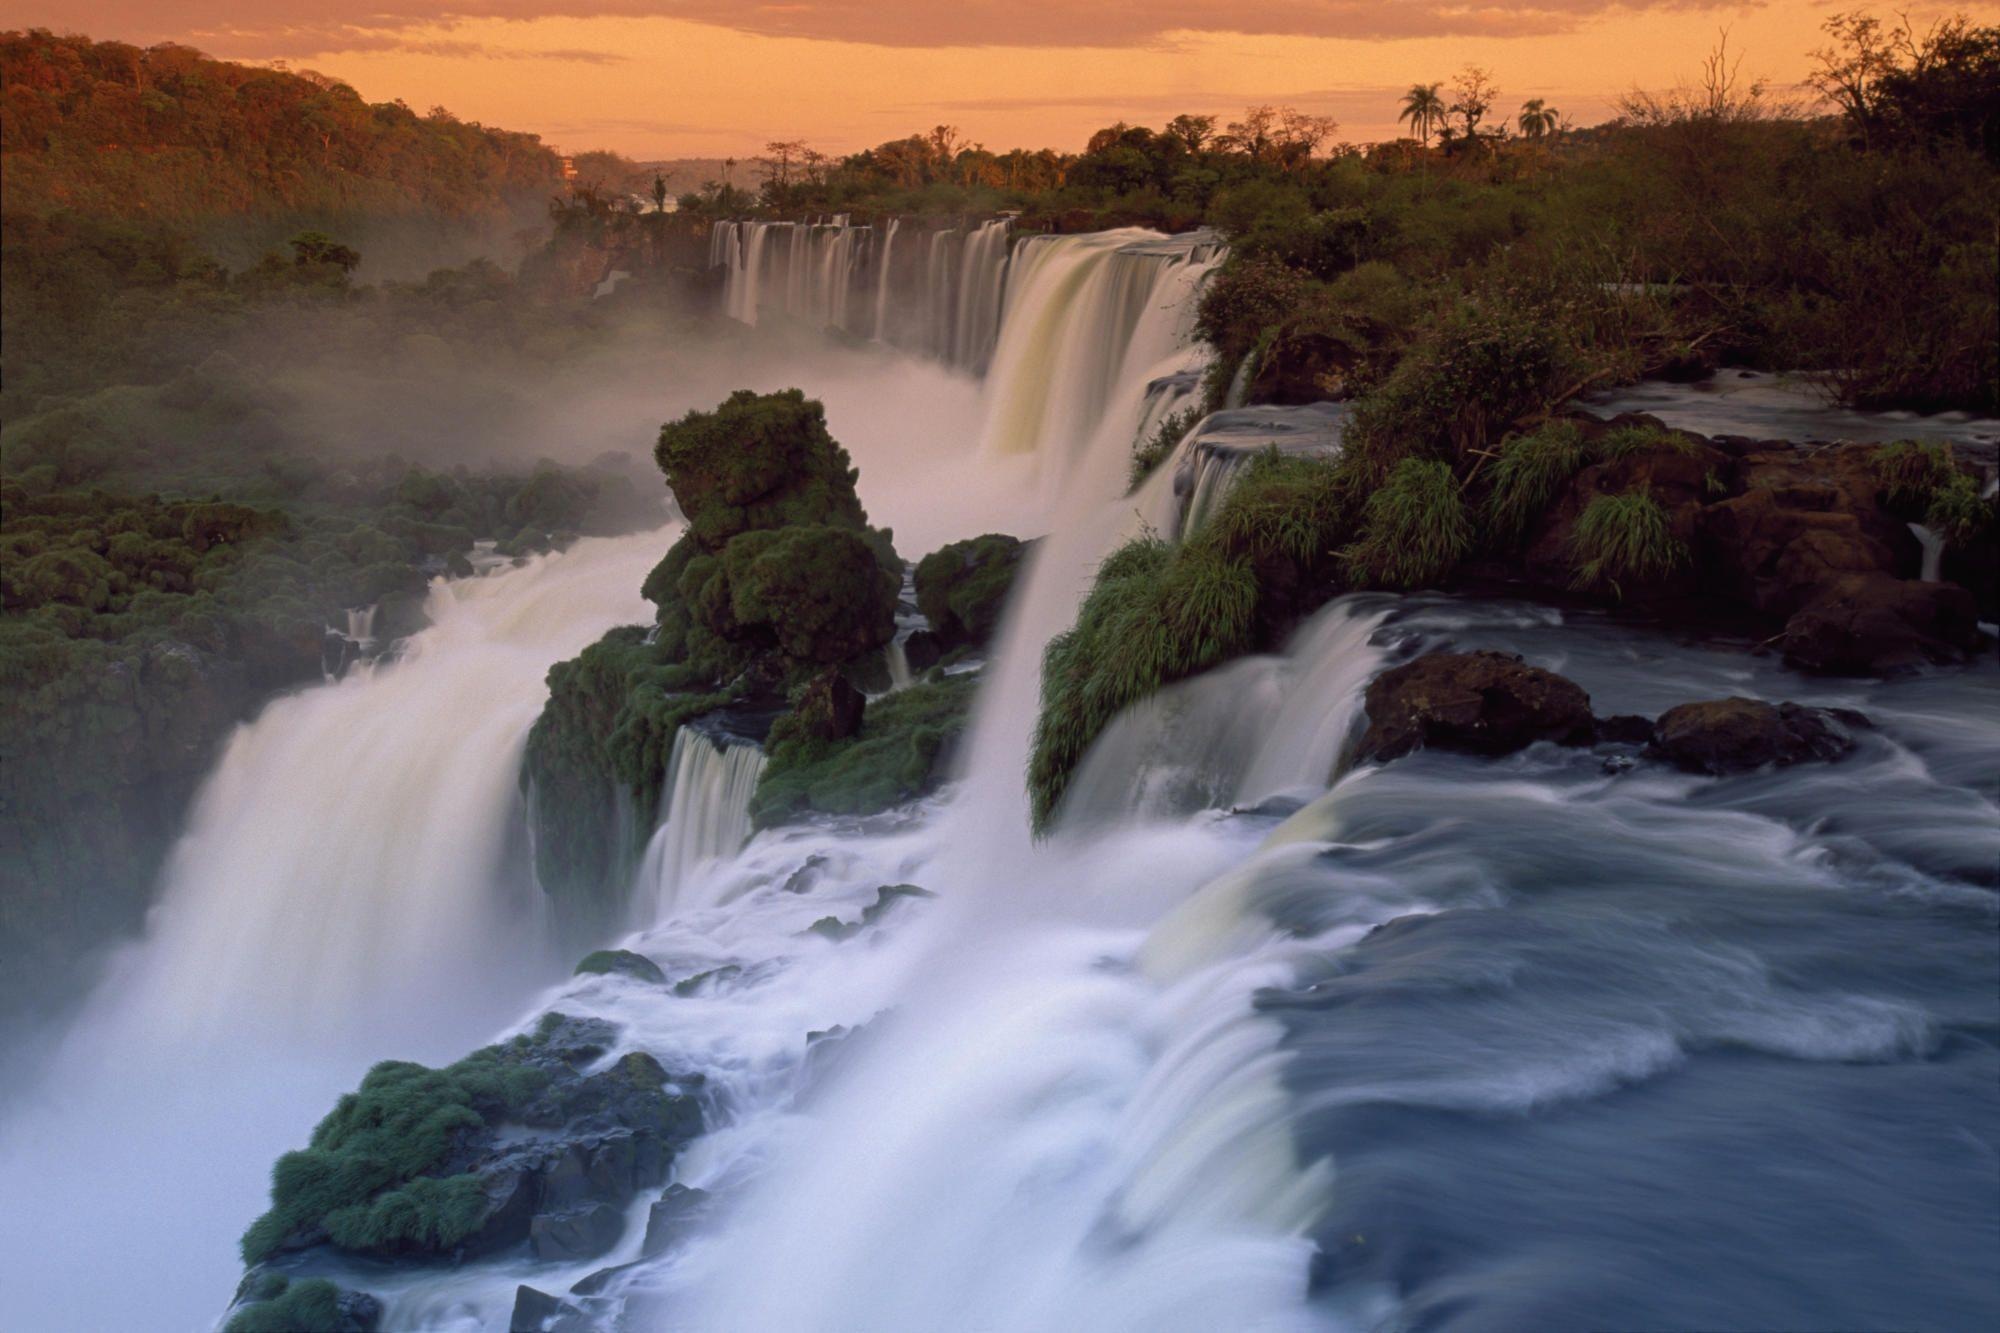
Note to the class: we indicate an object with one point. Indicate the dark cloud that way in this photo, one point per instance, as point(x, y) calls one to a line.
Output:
point(304, 27)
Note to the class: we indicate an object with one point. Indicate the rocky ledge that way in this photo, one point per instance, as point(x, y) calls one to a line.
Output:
point(1494, 703)
point(536, 1146)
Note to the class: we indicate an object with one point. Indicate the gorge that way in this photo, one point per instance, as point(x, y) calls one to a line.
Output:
point(1193, 1015)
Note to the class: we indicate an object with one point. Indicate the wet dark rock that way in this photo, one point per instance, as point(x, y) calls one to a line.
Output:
point(1718, 736)
point(538, 1312)
point(1871, 623)
point(923, 650)
point(582, 1232)
point(676, 1213)
point(623, 962)
point(1625, 729)
point(1480, 703)
point(886, 897)
point(828, 708)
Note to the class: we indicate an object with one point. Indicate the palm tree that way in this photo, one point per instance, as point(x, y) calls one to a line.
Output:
point(1538, 119)
point(1423, 107)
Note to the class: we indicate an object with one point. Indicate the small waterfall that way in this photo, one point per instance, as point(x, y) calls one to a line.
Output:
point(883, 263)
point(345, 647)
point(1090, 321)
point(1932, 542)
point(705, 816)
point(899, 664)
point(982, 276)
point(833, 274)
point(1215, 452)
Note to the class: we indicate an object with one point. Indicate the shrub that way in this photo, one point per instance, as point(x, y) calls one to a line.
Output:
point(962, 588)
point(1623, 441)
point(1957, 514)
point(311, 1306)
point(1529, 471)
point(1624, 538)
point(1912, 473)
point(1158, 447)
point(898, 755)
point(1414, 530)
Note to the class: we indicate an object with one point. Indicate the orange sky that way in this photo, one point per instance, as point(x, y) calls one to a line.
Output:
point(657, 78)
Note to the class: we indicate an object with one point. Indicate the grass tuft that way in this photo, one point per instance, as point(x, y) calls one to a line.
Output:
point(1624, 539)
point(1414, 530)
point(1530, 470)
point(1158, 447)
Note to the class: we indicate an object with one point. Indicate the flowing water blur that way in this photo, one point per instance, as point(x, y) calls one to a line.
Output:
point(1254, 1041)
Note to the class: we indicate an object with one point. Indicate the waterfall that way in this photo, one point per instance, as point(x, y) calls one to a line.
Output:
point(1932, 542)
point(883, 263)
point(982, 275)
point(351, 887)
point(1214, 453)
point(704, 815)
point(1089, 322)
point(899, 664)
point(833, 274)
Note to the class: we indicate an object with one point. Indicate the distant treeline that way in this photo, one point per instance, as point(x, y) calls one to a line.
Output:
point(169, 134)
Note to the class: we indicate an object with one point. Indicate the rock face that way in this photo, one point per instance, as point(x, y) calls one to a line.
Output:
point(625, 963)
point(962, 588)
point(1736, 735)
point(1869, 623)
point(528, 1145)
point(1481, 703)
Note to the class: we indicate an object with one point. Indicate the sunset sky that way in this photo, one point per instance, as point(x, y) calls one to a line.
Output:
point(661, 78)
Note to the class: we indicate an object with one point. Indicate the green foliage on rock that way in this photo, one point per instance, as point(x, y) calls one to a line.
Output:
point(1529, 472)
point(282, 1306)
point(1414, 529)
point(1158, 447)
point(899, 754)
point(1624, 540)
point(962, 588)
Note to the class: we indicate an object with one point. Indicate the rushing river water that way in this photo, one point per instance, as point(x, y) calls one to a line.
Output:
point(1251, 1042)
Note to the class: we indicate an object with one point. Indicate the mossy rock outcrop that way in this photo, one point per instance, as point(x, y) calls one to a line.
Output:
point(901, 751)
point(962, 588)
point(514, 1146)
point(777, 579)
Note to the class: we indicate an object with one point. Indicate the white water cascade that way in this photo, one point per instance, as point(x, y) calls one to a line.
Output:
point(351, 887)
point(704, 816)
point(939, 295)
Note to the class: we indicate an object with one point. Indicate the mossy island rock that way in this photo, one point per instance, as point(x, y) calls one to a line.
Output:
point(901, 750)
point(1718, 736)
point(622, 962)
point(777, 580)
point(517, 1147)
point(273, 1302)
point(962, 588)
point(1479, 703)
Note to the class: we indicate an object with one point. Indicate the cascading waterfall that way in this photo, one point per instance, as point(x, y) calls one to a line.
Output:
point(704, 816)
point(351, 886)
point(1215, 451)
point(941, 301)
point(1932, 543)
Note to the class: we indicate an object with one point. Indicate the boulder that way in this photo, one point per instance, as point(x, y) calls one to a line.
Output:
point(581, 1232)
point(623, 962)
point(677, 1211)
point(827, 708)
point(1481, 703)
point(1736, 735)
point(538, 1312)
point(1868, 624)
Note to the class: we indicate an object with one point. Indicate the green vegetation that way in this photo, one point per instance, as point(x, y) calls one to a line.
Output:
point(1529, 472)
point(1414, 530)
point(1158, 447)
point(388, 1172)
point(1624, 539)
point(777, 577)
point(962, 588)
point(283, 1306)
point(1922, 484)
point(899, 754)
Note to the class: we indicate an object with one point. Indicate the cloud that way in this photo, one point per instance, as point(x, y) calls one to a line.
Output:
point(310, 27)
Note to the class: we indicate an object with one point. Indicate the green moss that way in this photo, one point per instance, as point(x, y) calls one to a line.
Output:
point(816, 593)
point(311, 1306)
point(757, 461)
point(898, 755)
point(1624, 441)
point(1414, 530)
point(1624, 539)
point(1531, 469)
point(962, 588)
point(1158, 447)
